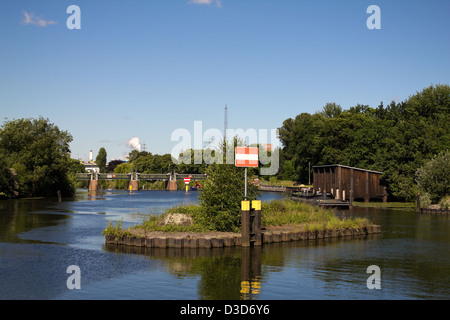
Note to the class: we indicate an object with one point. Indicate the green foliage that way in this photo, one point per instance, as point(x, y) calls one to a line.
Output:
point(223, 191)
point(425, 200)
point(221, 196)
point(195, 211)
point(444, 203)
point(116, 229)
point(433, 177)
point(331, 110)
point(38, 152)
point(122, 168)
point(76, 167)
point(8, 184)
point(145, 162)
point(274, 213)
point(288, 212)
point(100, 160)
point(396, 139)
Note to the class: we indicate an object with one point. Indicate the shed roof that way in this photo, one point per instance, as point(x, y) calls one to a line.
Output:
point(339, 165)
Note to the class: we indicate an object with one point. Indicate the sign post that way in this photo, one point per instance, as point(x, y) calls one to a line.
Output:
point(186, 182)
point(250, 216)
point(246, 157)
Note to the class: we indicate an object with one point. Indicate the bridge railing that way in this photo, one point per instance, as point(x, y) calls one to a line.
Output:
point(84, 176)
point(114, 176)
point(138, 176)
point(153, 176)
point(195, 176)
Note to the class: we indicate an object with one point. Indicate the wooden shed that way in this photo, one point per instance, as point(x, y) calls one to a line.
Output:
point(349, 183)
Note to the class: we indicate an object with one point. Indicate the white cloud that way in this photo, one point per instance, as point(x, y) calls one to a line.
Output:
point(30, 18)
point(134, 144)
point(218, 3)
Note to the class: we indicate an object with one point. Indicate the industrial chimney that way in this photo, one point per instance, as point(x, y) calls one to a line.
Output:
point(90, 156)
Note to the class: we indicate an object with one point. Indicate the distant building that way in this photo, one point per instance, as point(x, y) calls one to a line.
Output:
point(90, 166)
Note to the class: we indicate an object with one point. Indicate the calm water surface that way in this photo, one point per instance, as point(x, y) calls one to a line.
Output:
point(39, 239)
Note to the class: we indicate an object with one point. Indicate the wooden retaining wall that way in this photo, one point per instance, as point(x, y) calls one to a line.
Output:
point(268, 236)
point(272, 188)
point(434, 211)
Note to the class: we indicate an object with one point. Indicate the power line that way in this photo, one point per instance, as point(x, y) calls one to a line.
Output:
point(225, 125)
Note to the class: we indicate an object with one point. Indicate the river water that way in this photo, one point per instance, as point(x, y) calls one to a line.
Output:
point(41, 238)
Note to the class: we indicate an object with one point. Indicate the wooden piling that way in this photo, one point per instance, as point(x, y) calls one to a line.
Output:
point(256, 223)
point(245, 223)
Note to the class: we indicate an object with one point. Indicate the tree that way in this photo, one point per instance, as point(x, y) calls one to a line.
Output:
point(221, 195)
point(124, 167)
point(100, 160)
point(331, 110)
point(8, 184)
point(145, 162)
point(39, 154)
point(112, 165)
point(433, 177)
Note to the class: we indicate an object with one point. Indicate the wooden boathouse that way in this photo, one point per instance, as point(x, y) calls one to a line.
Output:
point(348, 183)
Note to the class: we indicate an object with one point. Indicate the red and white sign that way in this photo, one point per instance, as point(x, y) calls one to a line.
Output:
point(187, 180)
point(246, 157)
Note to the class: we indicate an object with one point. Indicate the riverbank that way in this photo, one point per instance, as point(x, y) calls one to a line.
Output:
point(282, 220)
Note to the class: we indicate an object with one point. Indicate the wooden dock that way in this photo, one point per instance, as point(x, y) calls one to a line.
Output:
point(324, 201)
point(332, 203)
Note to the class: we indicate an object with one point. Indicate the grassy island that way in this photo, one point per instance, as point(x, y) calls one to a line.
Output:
point(280, 218)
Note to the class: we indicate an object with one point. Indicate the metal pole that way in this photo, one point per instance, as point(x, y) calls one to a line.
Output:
point(245, 195)
point(309, 173)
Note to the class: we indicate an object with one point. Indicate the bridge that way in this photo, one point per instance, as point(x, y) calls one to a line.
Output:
point(135, 177)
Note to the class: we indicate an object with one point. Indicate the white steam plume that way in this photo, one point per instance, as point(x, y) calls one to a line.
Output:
point(134, 143)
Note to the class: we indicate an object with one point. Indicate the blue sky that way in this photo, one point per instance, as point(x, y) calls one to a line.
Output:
point(146, 68)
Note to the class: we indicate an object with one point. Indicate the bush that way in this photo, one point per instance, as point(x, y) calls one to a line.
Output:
point(433, 177)
point(221, 196)
point(445, 202)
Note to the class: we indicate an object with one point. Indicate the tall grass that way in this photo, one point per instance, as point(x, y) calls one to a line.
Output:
point(288, 212)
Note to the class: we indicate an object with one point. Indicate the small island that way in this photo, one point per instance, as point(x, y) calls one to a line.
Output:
point(282, 221)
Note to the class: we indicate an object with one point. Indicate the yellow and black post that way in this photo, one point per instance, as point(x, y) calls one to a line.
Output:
point(251, 223)
point(255, 216)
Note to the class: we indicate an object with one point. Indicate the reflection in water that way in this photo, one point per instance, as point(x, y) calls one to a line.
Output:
point(411, 252)
point(19, 216)
point(236, 272)
point(230, 273)
point(250, 272)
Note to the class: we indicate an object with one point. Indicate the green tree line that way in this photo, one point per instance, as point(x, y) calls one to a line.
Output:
point(35, 159)
point(396, 139)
